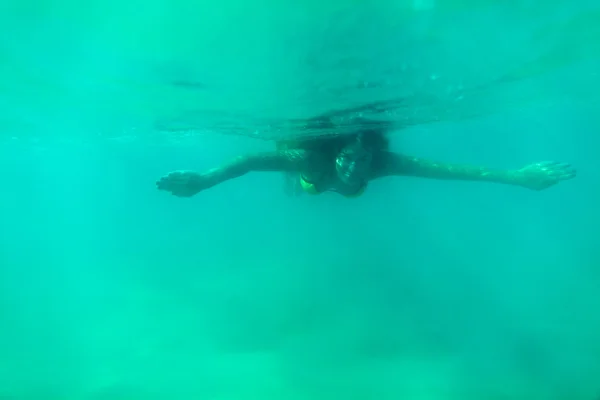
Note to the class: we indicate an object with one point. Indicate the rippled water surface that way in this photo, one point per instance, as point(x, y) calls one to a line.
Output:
point(171, 69)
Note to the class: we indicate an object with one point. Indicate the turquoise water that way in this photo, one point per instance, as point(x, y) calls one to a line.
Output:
point(419, 289)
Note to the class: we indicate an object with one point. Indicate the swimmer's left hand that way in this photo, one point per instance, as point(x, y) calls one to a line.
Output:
point(542, 175)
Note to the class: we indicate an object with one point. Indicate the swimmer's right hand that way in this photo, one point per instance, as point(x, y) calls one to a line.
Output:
point(183, 183)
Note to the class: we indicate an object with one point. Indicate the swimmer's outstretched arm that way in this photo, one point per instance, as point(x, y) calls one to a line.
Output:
point(189, 183)
point(535, 176)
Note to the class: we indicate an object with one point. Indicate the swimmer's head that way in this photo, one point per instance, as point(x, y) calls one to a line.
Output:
point(353, 163)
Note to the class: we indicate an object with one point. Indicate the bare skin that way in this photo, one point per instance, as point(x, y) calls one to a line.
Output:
point(314, 167)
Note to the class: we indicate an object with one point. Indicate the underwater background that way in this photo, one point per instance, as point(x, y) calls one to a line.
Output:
point(419, 289)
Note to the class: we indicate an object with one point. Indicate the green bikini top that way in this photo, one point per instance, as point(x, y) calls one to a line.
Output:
point(311, 188)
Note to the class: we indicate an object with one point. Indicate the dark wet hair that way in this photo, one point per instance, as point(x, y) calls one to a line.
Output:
point(373, 140)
